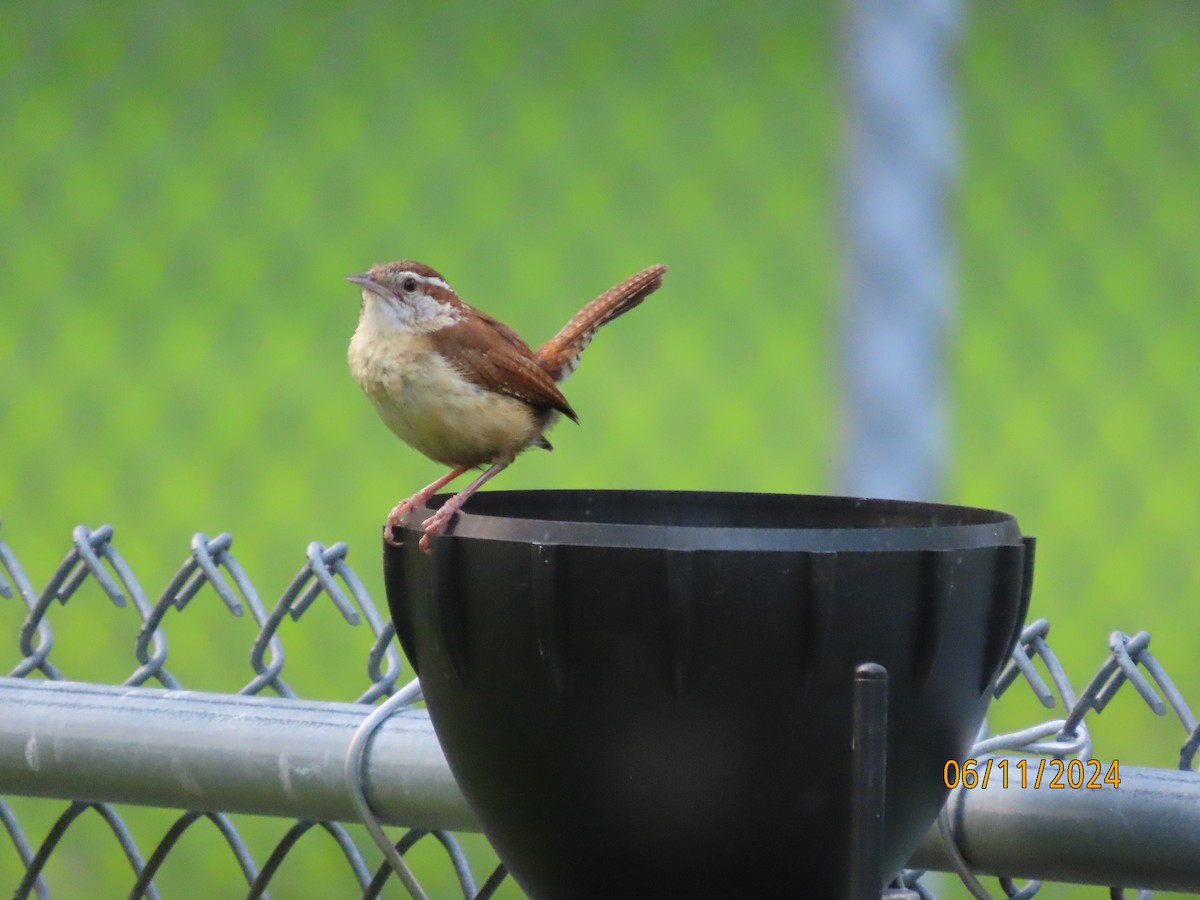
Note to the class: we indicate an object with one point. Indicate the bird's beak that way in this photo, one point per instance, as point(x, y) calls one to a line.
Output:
point(366, 281)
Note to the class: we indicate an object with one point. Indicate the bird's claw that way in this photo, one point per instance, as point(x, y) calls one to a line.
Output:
point(399, 514)
point(398, 517)
point(436, 525)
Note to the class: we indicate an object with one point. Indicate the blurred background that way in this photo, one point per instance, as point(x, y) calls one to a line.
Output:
point(183, 189)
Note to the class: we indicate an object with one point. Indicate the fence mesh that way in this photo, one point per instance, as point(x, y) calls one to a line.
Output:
point(210, 568)
point(210, 573)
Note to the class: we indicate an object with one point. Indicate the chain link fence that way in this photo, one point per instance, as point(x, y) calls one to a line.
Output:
point(324, 577)
point(210, 572)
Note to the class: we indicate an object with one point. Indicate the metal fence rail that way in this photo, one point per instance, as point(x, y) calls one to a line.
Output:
point(266, 752)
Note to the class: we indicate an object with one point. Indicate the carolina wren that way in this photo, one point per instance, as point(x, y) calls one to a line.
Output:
point(459, 386)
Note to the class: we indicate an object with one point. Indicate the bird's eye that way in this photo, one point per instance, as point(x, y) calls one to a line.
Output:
point(410, 284)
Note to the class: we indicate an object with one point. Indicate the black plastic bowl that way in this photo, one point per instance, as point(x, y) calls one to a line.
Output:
point(648, 694)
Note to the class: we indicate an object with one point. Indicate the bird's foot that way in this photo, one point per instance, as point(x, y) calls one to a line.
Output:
point(437, 523)
point(398, 516)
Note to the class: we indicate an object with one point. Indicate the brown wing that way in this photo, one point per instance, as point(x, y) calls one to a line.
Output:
point(493, 356)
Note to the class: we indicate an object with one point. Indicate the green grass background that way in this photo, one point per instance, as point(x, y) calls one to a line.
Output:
point(183, 188)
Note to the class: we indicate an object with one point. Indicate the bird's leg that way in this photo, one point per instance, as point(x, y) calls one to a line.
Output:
point(400, 512)
point(436, 524)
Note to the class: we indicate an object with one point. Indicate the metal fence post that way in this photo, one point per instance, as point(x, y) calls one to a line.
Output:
point(898, 176)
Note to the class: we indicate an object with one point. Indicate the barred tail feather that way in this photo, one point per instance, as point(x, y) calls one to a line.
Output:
point(559, 356)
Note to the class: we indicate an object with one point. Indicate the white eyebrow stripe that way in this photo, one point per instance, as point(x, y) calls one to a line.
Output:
point(424, 279)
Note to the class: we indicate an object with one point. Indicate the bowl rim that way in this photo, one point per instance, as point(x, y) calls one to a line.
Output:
point(882, 524)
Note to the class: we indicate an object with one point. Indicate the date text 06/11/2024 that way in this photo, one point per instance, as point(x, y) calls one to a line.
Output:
point(1056, 774)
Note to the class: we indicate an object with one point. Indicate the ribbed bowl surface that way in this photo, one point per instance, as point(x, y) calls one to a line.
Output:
point(648, 694)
